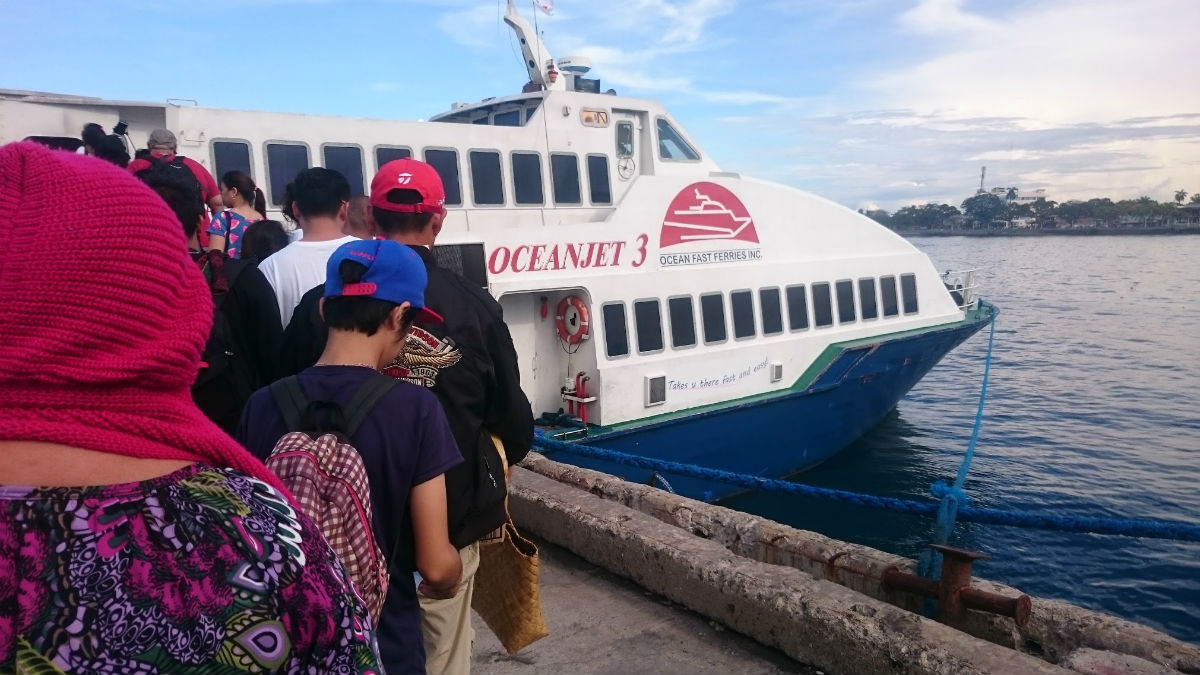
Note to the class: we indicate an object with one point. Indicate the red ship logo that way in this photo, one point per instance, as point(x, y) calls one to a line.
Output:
point(706, 212)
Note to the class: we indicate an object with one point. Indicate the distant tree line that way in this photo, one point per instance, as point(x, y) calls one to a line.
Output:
point(989, 210)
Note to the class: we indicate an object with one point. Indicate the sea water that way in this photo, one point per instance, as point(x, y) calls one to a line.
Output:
point(1093, 408)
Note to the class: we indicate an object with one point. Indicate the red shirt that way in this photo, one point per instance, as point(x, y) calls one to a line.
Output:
point(208, 186)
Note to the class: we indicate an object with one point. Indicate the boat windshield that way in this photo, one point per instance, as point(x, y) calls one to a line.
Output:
point(671, 145)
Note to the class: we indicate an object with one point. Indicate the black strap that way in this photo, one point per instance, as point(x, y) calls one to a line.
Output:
point(292, 402)
point(369, 394)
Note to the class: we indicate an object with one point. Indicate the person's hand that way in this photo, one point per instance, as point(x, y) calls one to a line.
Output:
point(430, 591)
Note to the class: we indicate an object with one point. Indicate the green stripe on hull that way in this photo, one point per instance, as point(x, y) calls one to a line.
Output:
point(815, 369)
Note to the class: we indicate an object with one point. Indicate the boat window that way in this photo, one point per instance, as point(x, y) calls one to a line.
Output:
point(908, 290)
point(508, 118)
point(624, 139)
point(772, 314)
point(712, 311)
point(231, 156)
point(597, 166)
point(671, 145)
point(822, 305)
point(527, 177)
point(445, 162)
point(487, 186)
point(385, 154)
point(845, 301)
point(480, 120)
point(564, 169)
point(593, 118)
point(68, 143)
point(887, 288)
point(866, 297)
point(346, 160)
point(648, 319)
point(683, 322)
point(742, 303)
point(616, 338)
point(797, 308)
point(284, 161)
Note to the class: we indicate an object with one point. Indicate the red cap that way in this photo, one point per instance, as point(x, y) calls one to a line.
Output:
point(408, 174)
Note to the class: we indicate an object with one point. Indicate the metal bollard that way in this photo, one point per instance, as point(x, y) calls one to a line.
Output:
point(953, 591)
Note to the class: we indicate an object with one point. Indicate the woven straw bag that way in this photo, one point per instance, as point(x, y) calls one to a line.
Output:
point(507, 596)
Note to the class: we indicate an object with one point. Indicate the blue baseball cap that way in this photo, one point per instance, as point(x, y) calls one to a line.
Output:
point(394, 273)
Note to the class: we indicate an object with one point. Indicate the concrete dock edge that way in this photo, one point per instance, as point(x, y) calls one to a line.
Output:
point(814, 621)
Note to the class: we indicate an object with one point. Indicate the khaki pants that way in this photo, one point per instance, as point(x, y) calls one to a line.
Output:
point(446, 624)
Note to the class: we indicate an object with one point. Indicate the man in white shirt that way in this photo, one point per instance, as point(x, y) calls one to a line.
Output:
point(319, 200)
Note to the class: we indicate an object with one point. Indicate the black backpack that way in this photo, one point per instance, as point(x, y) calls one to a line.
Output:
point(226, 378)
point(174, 166)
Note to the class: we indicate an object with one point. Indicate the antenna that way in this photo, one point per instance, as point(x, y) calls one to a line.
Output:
point(982, 173)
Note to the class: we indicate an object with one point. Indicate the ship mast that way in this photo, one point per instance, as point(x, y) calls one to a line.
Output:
point(536, 56)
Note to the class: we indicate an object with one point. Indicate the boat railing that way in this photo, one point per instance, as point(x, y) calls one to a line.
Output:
point(963, 287)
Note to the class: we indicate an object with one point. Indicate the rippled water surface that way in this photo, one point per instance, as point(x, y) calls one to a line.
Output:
point(1093, 408)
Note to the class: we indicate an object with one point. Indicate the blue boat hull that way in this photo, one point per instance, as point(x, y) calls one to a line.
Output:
point(787, 434)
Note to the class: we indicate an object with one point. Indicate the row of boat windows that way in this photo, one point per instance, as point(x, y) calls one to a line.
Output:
point(486, 179)
point(775, 309)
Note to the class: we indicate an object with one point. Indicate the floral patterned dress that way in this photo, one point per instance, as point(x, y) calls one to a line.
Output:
point(201, 571)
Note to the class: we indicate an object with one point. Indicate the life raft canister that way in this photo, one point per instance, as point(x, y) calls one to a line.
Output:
point(571, 320)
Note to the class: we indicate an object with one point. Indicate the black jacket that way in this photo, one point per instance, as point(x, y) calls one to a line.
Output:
point(252, 316)
point(470, 364)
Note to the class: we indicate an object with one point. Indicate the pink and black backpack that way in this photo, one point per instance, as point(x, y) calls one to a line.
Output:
point(318, 463)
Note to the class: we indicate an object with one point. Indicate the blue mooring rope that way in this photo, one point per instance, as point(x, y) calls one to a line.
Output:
point(1129, 527)
point(954, 496)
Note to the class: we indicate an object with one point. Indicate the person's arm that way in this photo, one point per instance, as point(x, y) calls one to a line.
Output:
point(216, 206)
point(437, 559)
point(510, 417)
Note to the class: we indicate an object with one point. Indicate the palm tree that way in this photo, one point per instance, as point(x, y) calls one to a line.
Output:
point(1012, 195)
point(1180, 195)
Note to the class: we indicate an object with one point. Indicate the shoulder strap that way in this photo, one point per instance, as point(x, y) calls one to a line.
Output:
point(365, 399)
point(290, 398)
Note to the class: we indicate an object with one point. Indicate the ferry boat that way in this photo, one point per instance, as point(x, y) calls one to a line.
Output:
point(659, 305)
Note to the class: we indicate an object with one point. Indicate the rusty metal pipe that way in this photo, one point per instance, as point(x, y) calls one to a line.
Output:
point(895, 580)
point(1019, 608)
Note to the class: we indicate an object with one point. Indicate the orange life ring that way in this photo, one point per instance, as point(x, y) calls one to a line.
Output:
point(571, 320)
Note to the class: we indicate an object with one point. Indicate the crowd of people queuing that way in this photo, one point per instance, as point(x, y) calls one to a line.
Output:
point(136, 534)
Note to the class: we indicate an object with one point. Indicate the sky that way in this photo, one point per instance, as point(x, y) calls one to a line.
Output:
point(871, 103)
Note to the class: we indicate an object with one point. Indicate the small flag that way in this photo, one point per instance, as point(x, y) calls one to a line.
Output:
point(546, 6)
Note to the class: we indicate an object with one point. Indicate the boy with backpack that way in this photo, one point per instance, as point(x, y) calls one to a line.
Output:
point(355, 421)
point(242, 348)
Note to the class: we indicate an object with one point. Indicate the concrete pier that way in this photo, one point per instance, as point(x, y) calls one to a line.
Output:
point(817, 600)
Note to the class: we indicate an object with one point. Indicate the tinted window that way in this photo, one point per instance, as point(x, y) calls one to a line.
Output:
point(385, 155)
point(742, 303)
point(283, 163)
point(564, 169)
point(230, 156)
point(671, 145)
point(712, 310)
point(445, 162)
point(527, 177)
point(845, 301)
point(822, 305)
point(486, 184)
point(797, 308)
point(598, 179)
point(887, 288)
point(683, 322)
point(624, 139)
point(908, 290)
point(346, 160)
point(512, 118)
point(649, 326)
point(616, 341)
point(772, 314)
point(866, 298)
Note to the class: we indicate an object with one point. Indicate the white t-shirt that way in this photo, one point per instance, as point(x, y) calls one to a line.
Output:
point(297, 269)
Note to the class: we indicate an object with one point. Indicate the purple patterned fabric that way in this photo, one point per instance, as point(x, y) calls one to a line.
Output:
point(203, 570)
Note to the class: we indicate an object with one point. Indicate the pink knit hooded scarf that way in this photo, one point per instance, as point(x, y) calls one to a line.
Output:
point(103, 315)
